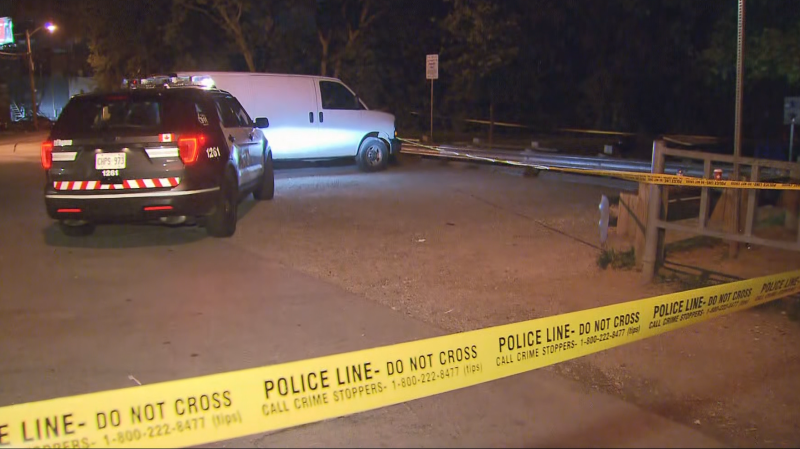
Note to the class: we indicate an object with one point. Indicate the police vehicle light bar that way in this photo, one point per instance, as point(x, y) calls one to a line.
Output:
point(169, 81)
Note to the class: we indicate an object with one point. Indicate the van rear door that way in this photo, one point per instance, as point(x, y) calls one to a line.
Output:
point(290, 104)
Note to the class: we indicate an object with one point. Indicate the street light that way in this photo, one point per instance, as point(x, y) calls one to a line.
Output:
point(50, 28)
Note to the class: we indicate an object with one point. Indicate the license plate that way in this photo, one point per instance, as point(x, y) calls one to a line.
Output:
point(109, 161)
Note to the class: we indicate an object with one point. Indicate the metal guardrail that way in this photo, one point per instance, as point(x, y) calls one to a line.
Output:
point(592, 162)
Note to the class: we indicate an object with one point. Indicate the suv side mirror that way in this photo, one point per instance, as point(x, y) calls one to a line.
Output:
point(262, 122)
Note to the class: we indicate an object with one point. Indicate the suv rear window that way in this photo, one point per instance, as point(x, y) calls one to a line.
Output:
point(126, 113)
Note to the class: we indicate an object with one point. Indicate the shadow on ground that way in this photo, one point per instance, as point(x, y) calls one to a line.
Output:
point(143, 235)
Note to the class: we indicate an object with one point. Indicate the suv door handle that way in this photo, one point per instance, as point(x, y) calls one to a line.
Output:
point(231, 138)
point(320, 116)
point(311, 117)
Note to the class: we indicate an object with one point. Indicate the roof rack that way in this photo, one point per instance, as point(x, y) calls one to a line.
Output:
point(169, 81)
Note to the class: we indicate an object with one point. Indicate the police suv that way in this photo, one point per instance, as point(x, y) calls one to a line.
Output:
point(164, 149)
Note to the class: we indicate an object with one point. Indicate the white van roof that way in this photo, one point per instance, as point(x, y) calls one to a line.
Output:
point(213, 74)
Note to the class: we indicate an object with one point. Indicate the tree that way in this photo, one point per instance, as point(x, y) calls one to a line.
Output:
point(341, 26)
point(772, 45)
point(482, 38)
point(771, 70)
point(123, 41)
point(231, 17)
point(291, 40)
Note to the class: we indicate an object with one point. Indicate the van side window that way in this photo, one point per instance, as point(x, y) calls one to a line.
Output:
point(336, 96)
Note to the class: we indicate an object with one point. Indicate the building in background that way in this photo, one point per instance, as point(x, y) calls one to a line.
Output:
point(59, 62)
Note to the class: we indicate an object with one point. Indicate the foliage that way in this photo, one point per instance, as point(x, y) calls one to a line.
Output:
point(772, 44)
point(619, 65)
point(232, 17)
point(482, 38)
point(341, 28)
point(619, 260)
point(123, 41)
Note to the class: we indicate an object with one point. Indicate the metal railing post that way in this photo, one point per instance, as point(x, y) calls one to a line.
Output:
point(704, 200)
point(752, 202)
point(653, 217)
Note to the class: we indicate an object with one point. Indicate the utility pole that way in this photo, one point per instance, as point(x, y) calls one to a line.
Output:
point(733, 249)
point(33, 82)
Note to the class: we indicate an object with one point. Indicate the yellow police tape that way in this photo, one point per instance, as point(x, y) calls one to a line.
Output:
point(646, 178)
point(224, 406)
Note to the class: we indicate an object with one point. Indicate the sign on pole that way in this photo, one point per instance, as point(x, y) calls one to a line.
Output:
point(432, 67)
point(432, 73)
point(791, 110)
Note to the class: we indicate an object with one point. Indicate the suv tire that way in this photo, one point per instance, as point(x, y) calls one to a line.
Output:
point(266, 186)
point(222, 221)
point(76, 230)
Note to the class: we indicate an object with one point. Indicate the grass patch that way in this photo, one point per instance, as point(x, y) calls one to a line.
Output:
point(687, 281)
point(700, 241)
point(777, 219)
point(619, 260)
point(694, 282)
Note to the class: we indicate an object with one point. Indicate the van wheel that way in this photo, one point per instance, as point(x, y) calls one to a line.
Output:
point(74, 228)
point(222, 221)
point(373, 155)
point(266, 187)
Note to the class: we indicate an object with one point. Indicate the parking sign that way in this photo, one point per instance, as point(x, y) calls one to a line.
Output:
point(432, 67)
point(791, 109)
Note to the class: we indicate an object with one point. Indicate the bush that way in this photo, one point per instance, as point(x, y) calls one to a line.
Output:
point(618, 260)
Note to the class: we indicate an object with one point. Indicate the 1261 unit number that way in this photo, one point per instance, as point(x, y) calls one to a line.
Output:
point(212, 152)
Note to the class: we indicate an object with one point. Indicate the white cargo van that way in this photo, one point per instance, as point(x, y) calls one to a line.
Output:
point(310, 117)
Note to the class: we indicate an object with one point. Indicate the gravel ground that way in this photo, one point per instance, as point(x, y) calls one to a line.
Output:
point(456, 246)
point(463, 247)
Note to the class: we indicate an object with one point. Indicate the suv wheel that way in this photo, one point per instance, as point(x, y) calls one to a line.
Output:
point(222, 221)
point(266, 187)
point(373, 155)
point(74, 228)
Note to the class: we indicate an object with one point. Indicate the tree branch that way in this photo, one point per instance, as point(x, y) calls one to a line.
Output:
point(188, 4)
point(322, 39)
point(364, 12)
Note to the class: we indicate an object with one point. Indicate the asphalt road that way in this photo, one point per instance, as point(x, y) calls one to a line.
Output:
point(80, 315)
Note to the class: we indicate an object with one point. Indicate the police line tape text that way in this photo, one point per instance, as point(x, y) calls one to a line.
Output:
point(323, 379)
point(176, 414)
point(185, 411)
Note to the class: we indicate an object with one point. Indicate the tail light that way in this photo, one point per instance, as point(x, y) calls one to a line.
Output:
point(189, 148)
point(47, 154)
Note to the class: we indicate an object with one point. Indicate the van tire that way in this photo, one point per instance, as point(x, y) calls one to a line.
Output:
point(373, 155)
point(266, 186)
point(222, 220)
point(73, 230)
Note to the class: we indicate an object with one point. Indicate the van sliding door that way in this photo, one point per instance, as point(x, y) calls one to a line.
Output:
point(290, 104)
